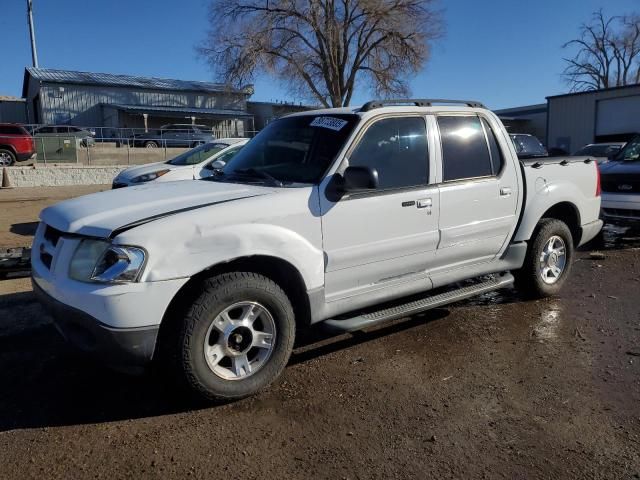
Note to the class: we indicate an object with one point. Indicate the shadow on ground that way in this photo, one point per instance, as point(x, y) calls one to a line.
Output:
point(26, 229)
point(46, 384)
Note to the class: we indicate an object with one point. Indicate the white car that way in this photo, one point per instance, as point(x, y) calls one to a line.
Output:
point(190, 165)
point(325, 216)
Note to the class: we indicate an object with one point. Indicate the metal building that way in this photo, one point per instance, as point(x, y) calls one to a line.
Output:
point(531, 119)
point(265, 112)
point(12, 110)
point(127, 101)
point(607, 115)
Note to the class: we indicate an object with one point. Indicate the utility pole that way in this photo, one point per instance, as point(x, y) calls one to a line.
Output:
point(32, 33)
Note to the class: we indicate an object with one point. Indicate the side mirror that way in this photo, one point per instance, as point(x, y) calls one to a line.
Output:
point(357, 179)
point(217, 165)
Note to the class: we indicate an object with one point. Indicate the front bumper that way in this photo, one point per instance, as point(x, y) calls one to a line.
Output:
point(621, 208)
point(128, 349)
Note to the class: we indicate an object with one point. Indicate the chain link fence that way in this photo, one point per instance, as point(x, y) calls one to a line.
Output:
point(50, 145)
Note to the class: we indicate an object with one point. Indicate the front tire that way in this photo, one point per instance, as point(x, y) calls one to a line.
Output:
point(549, 259)
point(236, 338)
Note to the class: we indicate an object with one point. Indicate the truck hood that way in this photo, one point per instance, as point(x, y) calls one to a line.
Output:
point(620, 168)
point(107, 213)
point(130, 173)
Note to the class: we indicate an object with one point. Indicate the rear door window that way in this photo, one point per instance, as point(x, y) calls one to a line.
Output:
point(465, 153)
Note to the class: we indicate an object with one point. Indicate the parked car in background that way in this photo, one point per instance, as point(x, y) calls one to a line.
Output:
point(602, 152)
point(83, 136)
point(193, 164)
point(324, 216)
point(174, 135)
point(16, 144)
point(620, 179)
point(528, 146)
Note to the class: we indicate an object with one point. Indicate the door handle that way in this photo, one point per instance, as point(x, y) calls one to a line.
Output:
point(505, 192)
point(424, 203)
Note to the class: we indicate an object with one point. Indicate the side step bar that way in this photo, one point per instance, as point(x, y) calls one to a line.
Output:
point(368, 319)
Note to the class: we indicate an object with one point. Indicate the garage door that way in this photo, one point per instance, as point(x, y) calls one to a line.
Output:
point(618, 116)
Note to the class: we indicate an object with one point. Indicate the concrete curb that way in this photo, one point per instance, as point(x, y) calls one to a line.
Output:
point(62, 175)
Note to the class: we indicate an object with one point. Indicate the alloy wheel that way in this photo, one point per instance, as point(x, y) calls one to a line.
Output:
point(553, 260)
point(240, 340)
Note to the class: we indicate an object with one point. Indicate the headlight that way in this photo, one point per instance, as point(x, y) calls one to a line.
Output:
point(100, 261)
point(147, 177)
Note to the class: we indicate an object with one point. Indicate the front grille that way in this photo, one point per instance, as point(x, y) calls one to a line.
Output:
point(620, 184)
point(52, 234)
point(48, 243)
point(621, 212)
point(46, 259)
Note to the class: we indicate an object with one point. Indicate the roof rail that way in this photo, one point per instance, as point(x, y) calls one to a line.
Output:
point(418, 102)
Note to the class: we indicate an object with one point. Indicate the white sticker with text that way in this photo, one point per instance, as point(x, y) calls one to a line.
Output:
point(329, 122)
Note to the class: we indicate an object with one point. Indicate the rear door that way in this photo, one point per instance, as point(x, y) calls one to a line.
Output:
point(478, 192)
point(384, 237)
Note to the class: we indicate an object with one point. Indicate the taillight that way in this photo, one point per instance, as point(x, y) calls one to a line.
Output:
point(598, 186)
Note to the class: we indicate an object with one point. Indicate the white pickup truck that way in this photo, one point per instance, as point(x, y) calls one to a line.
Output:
point(350, 217)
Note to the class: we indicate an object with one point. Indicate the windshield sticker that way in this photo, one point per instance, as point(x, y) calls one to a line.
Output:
point(329, 122)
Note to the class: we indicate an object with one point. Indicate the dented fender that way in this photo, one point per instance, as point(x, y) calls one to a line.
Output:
point(184, 245)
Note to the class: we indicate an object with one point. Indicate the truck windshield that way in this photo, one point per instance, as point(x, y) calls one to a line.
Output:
point(291, 150)
point(631, 151)
point(198, 154)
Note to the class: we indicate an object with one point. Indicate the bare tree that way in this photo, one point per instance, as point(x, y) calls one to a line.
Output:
point(608, 53)
point(322, 49)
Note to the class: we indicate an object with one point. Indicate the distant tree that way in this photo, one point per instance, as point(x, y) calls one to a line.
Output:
point(322, 49)
point(608, 53)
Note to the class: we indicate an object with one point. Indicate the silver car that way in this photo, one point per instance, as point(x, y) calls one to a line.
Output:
point(85, 137)
point(602, 152)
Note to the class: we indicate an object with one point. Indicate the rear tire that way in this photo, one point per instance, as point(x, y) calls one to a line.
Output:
point(236, 338)
point(549, 259)
point(7, 158)
point(150, 144)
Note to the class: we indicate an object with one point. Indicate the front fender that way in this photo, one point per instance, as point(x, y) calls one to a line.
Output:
point(208, 247)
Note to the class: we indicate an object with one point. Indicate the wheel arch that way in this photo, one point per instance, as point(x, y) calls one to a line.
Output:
point(283, 273)
point(9, 147)
point(564, 210)
point(568, 213)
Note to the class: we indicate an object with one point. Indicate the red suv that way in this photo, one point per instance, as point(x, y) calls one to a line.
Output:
point(16, 144)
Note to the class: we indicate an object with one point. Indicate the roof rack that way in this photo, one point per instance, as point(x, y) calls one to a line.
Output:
point(418, 102)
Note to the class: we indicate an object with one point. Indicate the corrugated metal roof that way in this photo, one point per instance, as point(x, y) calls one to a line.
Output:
point(113, 80)
point(184, 110)
point(594, 92)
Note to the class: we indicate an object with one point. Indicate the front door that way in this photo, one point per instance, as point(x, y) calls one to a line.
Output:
point(383, 237)
point(478, 195)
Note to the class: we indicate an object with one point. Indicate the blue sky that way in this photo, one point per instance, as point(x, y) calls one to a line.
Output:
point(502, 52)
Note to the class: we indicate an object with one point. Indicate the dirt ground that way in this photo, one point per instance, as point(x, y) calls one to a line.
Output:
point(496, 387)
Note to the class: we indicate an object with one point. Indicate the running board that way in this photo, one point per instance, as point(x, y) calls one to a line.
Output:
point(368, 319)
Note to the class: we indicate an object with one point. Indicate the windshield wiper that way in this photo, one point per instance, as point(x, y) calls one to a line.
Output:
point(260, 174)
